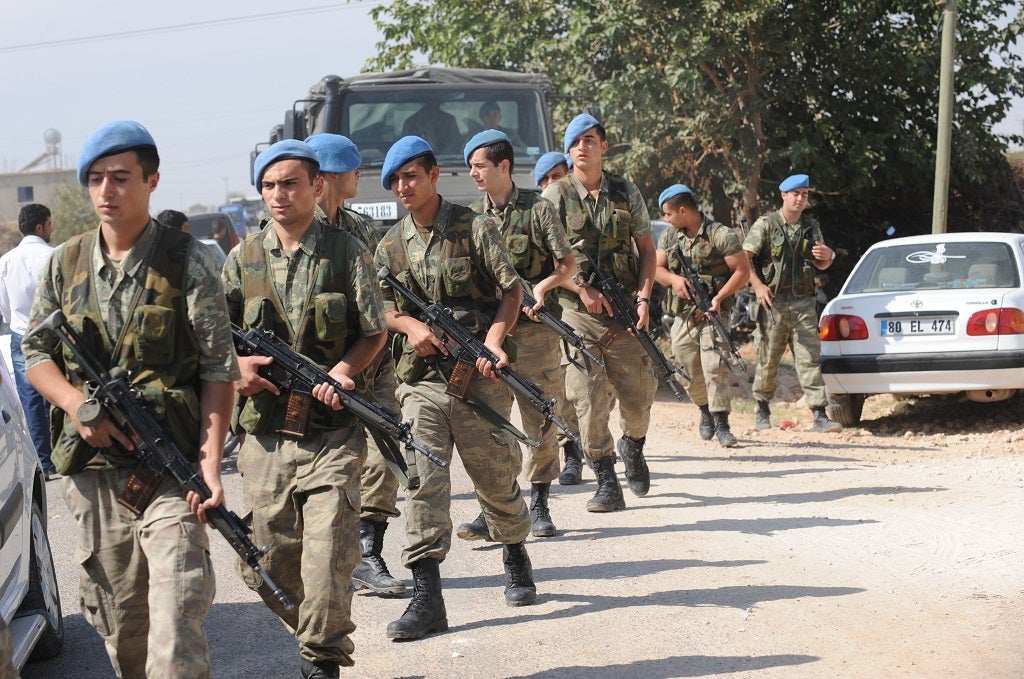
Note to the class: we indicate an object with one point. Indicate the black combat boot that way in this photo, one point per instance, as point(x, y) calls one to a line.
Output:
point(425, 612)
point(540, 518)
point(638, 477)
point(763, 417)
point(725, 437)
point(822, 424)
point(475, 530)
point(321, 669)
point(572, 472)
point(372, 573)
point(519, 587)
point(706, 428)
point(608, 497)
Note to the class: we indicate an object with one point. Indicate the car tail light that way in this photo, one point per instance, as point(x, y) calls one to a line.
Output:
point(838, 327)
point(1008, 321)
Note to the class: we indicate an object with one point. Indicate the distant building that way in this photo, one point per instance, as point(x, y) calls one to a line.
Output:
point(18, 189)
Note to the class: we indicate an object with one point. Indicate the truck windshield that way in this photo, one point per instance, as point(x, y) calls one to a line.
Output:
point(374, 120)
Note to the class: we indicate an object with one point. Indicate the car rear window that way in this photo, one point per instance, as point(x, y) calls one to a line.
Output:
point(935, 266)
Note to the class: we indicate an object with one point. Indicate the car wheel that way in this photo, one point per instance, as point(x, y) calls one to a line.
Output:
point(43, 596)
point(846, 409)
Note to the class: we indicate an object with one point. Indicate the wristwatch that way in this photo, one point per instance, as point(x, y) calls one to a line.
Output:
point(642, 300)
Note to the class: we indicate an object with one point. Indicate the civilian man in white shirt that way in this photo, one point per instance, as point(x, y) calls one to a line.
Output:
point(19, 271)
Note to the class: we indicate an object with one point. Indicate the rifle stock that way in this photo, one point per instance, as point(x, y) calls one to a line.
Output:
point(126, 410)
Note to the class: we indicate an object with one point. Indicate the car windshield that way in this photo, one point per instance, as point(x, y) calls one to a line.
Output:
point(935, 266)
point(445, 118)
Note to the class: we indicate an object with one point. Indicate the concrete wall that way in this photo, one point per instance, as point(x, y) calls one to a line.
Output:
point(42, 185)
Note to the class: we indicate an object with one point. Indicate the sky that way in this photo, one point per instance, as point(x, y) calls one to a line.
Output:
point(208, 79)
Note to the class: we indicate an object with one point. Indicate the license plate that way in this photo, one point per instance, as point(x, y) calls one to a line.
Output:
point(902, 327)
point(381, 211)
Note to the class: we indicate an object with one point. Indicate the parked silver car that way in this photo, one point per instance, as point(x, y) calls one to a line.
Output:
point(29, 599)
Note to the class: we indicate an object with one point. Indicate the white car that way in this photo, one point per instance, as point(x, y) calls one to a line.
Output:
point(29, 599)
point(941, 313)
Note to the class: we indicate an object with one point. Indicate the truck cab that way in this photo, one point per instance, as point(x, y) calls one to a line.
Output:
point(445, 106)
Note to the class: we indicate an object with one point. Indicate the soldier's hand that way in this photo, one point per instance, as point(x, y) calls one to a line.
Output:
point(103, 435)
point(486, 368)
point(424, 342)
point(595, 302)
point(326, 394)
point(251, 382)
point(681, 287)
point(822, 252)
point(198, 507)
point(643, 315)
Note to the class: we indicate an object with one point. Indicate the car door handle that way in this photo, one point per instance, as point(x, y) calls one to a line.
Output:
point(7, 417)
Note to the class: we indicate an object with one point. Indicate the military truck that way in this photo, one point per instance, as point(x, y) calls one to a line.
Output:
point(445, 106)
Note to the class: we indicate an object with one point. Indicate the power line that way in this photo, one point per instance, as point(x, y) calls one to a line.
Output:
point(184, 27)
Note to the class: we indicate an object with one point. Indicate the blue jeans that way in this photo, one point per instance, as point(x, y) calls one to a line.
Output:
point(37, 410)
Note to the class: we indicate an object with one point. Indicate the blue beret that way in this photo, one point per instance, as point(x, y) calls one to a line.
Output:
point(485, 138)
point(577, 127)
point(282, 150)
point(548, 162)
point(400, 153)
point(797, 181)
point(336, 153)
point(672, 192)
point(113, 138)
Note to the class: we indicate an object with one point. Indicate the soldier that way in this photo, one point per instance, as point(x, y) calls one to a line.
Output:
point(608, 213)
point(339, 168)
point(446, 253)
point(541, 254)
point(313, 286)
point(147, 299)
point(786, 249)
point(550, 167)
point(714, 252)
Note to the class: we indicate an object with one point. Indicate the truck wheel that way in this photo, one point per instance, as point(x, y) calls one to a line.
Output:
point(846, 409)
point(43, 596)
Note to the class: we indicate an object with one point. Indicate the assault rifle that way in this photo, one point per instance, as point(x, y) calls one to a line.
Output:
point(624, 315)
point(702, 298)
point(291, 371)
point(114, 398)
point(466, 349)
point(561, 328)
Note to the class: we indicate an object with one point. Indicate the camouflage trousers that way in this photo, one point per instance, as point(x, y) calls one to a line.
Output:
point(378, 486)
point(693, 348)
point(490, 455)
point(146, 582)
point(302, 500)
point(539, 359)
point(627, 375)
point(796, 327)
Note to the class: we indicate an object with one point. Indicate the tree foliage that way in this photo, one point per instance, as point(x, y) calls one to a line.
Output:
point(71, 212)
point(732, 96)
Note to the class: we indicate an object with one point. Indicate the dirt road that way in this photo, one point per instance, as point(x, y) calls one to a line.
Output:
point(877, 552)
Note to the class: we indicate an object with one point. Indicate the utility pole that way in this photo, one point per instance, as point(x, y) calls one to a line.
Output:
point(943, 142)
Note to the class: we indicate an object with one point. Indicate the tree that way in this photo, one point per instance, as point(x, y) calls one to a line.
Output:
point(733, 96)
point(72, 213)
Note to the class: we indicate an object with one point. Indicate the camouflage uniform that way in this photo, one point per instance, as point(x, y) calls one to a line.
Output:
point(535, 240)
point(609, 225)
point(146, 581)
point(378, 484)
point(693, 345)
point(491, 455)
point(302, 494)
point(782, 253)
